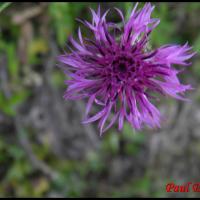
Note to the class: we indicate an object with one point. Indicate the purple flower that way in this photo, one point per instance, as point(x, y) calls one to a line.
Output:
point(115, 70)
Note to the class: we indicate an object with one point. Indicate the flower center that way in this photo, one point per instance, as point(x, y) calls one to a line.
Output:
point(122, 67)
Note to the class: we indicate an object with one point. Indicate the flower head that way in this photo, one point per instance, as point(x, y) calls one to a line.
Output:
point(115, 70)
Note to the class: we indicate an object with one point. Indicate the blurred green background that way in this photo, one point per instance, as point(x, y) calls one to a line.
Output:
point(44, 149)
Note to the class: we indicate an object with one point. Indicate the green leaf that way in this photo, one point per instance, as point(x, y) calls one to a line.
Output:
point(165, 29)
point(63, 21)
point(4, 6)
point(13, 62)
point(8, 105)
point(196, 44)
point(16, 152)
point(111, 143)
point(19, 97)
point(5, 106)
point(128, 8)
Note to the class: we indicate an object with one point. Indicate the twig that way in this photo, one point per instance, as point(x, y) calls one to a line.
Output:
point(21, 17)
point(24, 141)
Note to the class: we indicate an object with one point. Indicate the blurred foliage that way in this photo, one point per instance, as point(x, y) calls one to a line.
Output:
point(63, 18)
point(19, 94)
point(166, 27)
point(17, 176)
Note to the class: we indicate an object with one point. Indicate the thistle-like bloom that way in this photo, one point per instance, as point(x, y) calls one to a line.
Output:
point(115, 70)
